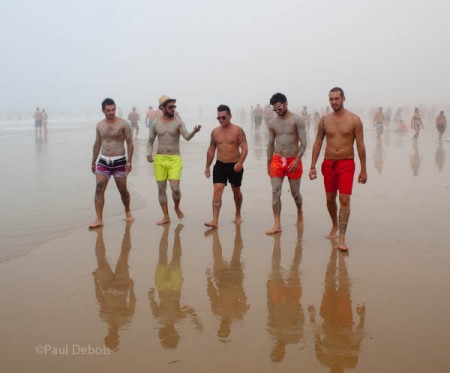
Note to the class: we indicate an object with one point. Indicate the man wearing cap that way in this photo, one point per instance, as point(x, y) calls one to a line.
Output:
point(167, 163)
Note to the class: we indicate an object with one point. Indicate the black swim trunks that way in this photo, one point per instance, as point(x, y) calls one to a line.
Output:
point(225, 171)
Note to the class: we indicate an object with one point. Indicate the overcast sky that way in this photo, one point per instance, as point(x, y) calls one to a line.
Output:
point(72, 54)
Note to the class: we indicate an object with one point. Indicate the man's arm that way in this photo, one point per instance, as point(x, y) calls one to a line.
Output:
point(184, 132)
point(242, 141)
point(96, 149)
point(316, 148)
point(210, 154)
point(151, 140)
point(130, 146)
point(359, 137)
point(270, 147)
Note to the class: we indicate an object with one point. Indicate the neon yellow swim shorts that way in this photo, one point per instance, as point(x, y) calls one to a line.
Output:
point(167, 167)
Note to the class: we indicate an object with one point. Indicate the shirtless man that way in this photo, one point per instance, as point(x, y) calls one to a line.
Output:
point(38, 119)
point(111, 134)
point(441, 123)
point(378, 121)
point(167, 163)
point(231, 144)
point(150, 117)
point(341, 128)
point(134, 119)
point(416, 123)
point(284, 157)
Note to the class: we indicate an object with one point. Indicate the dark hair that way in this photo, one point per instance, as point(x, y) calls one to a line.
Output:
point(224, 108)
point(337, 89)
point(107, 101)
point(278, 97)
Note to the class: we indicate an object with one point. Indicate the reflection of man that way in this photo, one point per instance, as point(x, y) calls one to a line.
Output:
point(134, 119)
point(114, 290)
point(225, 284)
point(231, 144)
point(341, 128)
point(285, 320)
point(285, 147)
point(167, 164)
point(337, 344)
point(168, 281)
point(111, 134)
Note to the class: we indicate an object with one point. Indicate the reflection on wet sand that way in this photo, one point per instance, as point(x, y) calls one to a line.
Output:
point(225, 284)
point(285, 319)
point(114, 289)
point(439, 157)
point(337, 343)
point(415, 159)
point(168, 282)
point(378, 156)
point(259, 146)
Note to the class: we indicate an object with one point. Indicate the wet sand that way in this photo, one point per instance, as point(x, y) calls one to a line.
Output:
point(182, 298)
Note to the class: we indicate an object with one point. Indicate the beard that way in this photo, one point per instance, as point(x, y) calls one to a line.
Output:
point(170, 114)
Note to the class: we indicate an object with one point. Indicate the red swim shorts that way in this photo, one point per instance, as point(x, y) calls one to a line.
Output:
point(338, 175)
point(279, 167)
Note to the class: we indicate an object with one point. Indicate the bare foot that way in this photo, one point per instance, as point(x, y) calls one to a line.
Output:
point(273, 231)
point(165, 220)
point(212, 224)
point(300, 220)
point(179, 213)
point(237, 220)
point(128, 217)
point(342, 246)
point(96, 224)
point(333, 233)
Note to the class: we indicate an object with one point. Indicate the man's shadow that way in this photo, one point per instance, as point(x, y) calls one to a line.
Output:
point(225, 284)
point(114, 290)
point(168, 282)
point(285, 316)
point(337, 342)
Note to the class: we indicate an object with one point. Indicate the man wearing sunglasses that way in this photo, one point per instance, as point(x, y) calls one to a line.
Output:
point(285, 147)
point(167, 163)
point(231, 144)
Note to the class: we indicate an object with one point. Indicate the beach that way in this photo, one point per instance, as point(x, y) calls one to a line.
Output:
point(142, 297)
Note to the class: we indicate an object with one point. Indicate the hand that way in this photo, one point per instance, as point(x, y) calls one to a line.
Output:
point(294, 165)
point(207, 172)
point(197, 128)
point(312, 174)
point(362, 178)
point(149, 158)
point(238, 167)
point(94, 167)
point(128, 167)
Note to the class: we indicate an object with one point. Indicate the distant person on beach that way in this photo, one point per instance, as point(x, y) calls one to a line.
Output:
point(268, 114)
point(441, 123)
point(416, 123)
point(134, 119)
point(38, 119)
point(258, 113)
point(150, 117)
point(231, 144)
point(378, 121)
point(285, 147)
point(341, 129)
point(44, 119)
point(167, 163)
point(111, 134)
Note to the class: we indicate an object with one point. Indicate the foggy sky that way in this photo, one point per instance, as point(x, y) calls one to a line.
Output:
point(71, 55)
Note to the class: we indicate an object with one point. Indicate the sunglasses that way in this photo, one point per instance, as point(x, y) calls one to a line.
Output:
point(278, 108)
point(221, 117)
point(170, 107)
